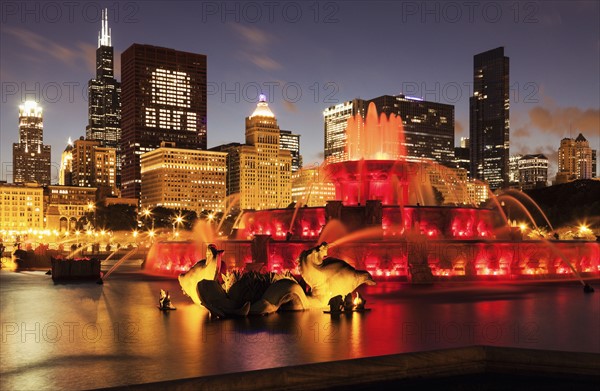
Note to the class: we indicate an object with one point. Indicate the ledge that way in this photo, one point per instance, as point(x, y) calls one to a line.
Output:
point(482, 363)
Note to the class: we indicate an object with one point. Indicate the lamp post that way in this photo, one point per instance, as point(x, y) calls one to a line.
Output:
point(147, 213)
point(177, 220)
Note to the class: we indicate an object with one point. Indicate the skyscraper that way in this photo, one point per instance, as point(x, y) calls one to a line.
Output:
point(489, 118)
point(164, 99)
point(104, 106)
point(336, 118)
point(260, 171)
point(291, 142)
point(428, 126)
point(31, 158)
point(576, 160)
point(82, 164)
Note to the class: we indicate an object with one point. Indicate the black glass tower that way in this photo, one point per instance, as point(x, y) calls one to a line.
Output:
point(489, 118)
point(104, 106)
point(428, 126)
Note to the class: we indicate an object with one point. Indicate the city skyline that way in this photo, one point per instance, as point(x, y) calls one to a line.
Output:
point(549, 101)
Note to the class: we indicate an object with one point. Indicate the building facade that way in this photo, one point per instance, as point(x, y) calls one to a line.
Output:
point(21, 206)
point(310, 187)
point(451, 183)
point(163, 99)
point(82, 172)
point(260, 171)
point(87, 164)
point(533, 171)
point(65, 177)
point(335, 121)
point(513, 169)
point(576, 160)
point(189, 179)
point(69, 208)
point(428, 126)
point(462, 158)
point(104, 91)
point(291, 142)
point(489, 118)
point(104, 161)
point(31, 158)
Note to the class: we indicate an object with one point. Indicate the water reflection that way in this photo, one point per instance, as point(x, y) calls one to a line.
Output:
point(87, 335)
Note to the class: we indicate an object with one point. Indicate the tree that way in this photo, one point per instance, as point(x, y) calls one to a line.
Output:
point(439, 196)
point(116, 217)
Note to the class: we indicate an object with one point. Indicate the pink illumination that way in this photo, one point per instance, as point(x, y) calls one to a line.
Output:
point(376, 137)
point(384, 226)
point(172, 258)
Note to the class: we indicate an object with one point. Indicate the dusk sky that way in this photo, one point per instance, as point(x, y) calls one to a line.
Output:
point(308, 55)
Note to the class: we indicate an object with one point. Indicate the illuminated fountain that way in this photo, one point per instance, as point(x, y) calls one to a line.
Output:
point(386, 220)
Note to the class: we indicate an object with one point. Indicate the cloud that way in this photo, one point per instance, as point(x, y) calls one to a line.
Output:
point(560, 121)
point(520, 132)
point(547, 124)
point(256, 47)
point(290, 106)
point(264, 62)
point(81, 53)
point(253, 35)
point(459, 128)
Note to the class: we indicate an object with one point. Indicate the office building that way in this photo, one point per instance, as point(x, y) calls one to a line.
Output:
point(310, 187)
point(489, 118)
point(335, 120)
point(513, 170)
point(291, 142)
point(104, 106)
point(188, 179)
point(428, 126)
point(87, 164)
point(260, 171)
point(31, 158)
point(576, 160)
point(462, 158)
point(69, 208)
point(163, 99)
point(21, 206)
point(533, 171)
point(66, 165)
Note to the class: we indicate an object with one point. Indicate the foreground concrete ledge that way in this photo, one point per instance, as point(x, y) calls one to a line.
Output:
point(397, 367)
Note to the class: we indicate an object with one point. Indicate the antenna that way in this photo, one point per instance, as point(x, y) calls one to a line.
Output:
point(104, 34)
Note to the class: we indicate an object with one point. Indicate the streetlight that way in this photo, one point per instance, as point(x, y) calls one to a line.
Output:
point(178, 220)
point(151, 233)
point(147, 213)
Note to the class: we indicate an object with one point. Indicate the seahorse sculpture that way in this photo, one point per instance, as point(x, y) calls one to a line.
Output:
point(254, 293)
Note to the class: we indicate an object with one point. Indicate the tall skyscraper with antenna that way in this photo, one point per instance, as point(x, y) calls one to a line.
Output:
point(104, 91)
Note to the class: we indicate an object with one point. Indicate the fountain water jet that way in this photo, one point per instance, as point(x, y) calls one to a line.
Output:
point(385, 202)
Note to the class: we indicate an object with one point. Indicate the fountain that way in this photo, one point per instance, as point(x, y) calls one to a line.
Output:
point(386, 220)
